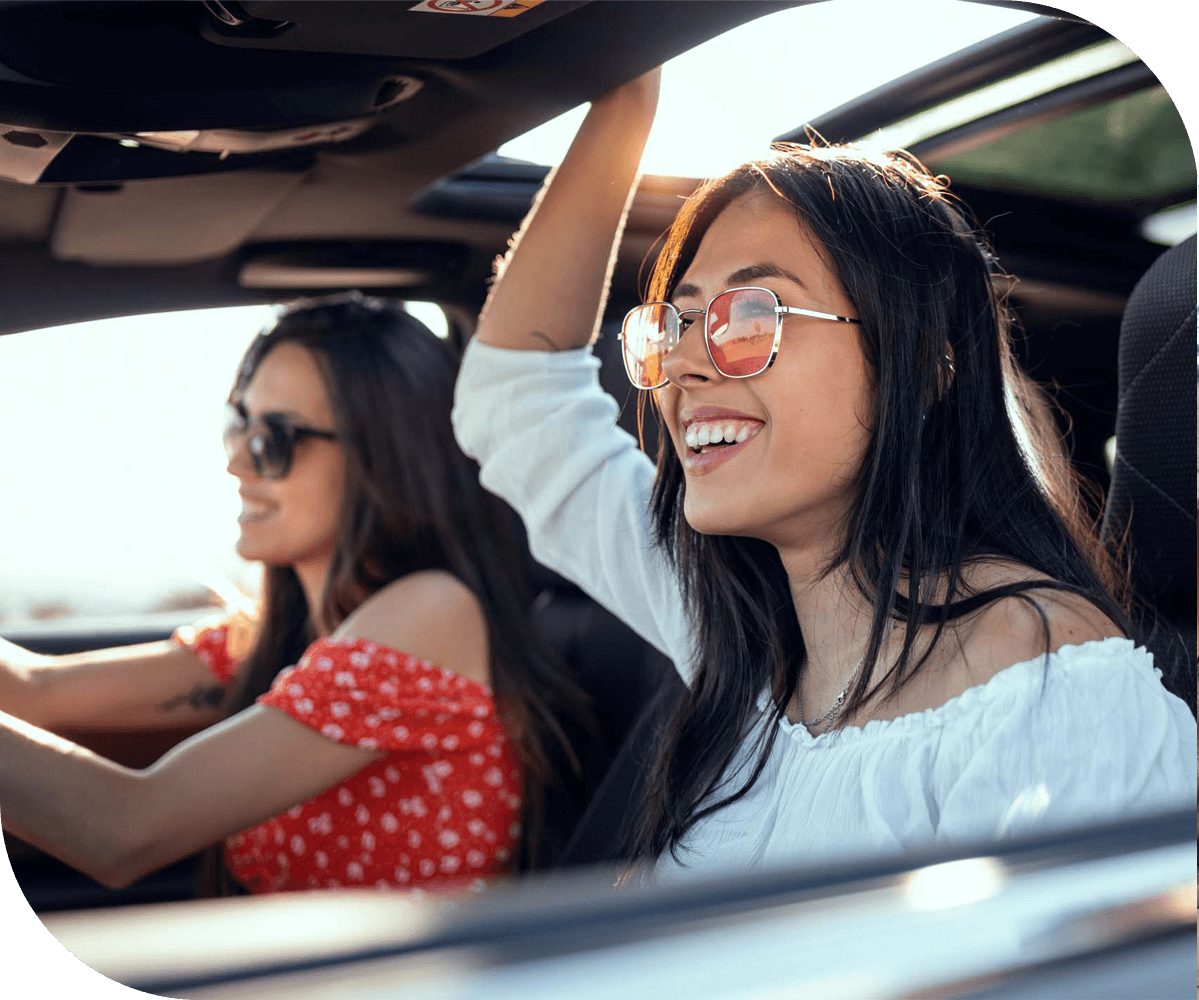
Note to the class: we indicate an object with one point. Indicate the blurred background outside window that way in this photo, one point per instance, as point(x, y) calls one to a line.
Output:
point(116, 500)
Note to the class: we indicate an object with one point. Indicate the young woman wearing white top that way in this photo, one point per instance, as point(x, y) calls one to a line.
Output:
point(862, 545)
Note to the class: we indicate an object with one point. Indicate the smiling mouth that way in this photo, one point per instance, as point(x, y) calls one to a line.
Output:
point(252, 511)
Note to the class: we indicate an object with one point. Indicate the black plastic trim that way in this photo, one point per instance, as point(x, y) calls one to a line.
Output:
point(1033, 8)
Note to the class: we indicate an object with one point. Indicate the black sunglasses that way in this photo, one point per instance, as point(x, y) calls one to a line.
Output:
point(270, 439)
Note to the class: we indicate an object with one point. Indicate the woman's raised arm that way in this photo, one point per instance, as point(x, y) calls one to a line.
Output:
point(550, 289)
point(542, 429)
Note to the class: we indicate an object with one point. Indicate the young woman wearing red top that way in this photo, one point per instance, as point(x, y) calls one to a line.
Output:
point(386, 719)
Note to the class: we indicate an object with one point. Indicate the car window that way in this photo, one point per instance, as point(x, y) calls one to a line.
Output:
point(790, 67)
point(116, 499)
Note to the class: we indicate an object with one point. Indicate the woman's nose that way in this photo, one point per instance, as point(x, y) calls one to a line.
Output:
point(688, 363)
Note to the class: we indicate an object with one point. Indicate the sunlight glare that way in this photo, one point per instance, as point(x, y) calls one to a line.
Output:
point(954, 883)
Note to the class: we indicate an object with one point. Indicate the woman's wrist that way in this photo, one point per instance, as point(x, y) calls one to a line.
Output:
point(638, 96)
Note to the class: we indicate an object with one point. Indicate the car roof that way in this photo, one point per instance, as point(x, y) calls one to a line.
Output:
point(413, 202)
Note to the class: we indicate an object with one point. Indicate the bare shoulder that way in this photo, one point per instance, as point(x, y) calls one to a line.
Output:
point(1013, 629)
point(431, 615)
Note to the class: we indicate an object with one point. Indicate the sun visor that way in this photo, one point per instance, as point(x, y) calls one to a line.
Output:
point(167, 221)
point(432, 29)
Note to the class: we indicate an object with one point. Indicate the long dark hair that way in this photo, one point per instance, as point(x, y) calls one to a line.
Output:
point(412, 502)
point(964, 463)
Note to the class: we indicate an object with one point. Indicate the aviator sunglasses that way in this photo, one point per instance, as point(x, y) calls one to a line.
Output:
point(270, 439)
point(742, 330)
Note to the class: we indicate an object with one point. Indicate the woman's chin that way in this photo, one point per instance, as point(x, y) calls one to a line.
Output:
point(712, 518)
point(252, 549)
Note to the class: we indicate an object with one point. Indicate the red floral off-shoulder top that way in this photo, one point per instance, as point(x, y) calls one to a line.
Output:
point(439, 811)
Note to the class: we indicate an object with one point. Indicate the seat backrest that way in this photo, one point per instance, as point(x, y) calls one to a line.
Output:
point(621, 674)
point(1151, 496)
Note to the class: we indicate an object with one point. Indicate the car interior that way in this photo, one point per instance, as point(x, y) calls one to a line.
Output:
point(159, 156)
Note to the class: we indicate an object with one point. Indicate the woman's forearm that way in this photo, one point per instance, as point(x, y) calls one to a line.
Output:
point(116, 824)
point(149, 686)
point(550, 290)
point(69, 801)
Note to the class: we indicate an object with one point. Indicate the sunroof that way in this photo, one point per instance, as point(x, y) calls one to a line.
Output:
point(1134, 148)
point(723, 101)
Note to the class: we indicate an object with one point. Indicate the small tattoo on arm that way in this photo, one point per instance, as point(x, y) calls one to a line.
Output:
point(200, 697)
point(546, 340)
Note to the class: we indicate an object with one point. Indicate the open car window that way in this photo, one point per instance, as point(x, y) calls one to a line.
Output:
point(111, 432)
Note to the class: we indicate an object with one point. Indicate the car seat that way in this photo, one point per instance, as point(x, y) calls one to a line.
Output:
point(1151, 502)
point(622, 674)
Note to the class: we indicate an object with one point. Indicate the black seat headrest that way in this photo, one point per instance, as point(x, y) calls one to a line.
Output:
point(1152, 493)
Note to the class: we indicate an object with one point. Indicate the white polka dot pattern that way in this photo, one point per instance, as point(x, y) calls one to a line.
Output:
point(211, 646)
point(439, 810)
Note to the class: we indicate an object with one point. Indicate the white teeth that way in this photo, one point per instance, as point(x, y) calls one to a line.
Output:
point(701, 434)
point(254, 507)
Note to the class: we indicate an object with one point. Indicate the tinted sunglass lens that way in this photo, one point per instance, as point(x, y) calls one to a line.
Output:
point(740, 326)
point(276, 450)
point(648, 334)
point(258, 445)
point(269, 443)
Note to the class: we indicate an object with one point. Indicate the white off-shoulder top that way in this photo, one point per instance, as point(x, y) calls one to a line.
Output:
point(1088, 733)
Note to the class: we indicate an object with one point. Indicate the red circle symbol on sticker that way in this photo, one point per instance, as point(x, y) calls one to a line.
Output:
point(466, 6)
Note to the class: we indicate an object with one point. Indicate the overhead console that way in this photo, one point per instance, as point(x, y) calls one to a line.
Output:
point(108, 91)
point(253, 82)
point(435, 29)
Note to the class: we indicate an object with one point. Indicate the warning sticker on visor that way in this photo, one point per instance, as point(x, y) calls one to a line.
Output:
point(479, 8)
